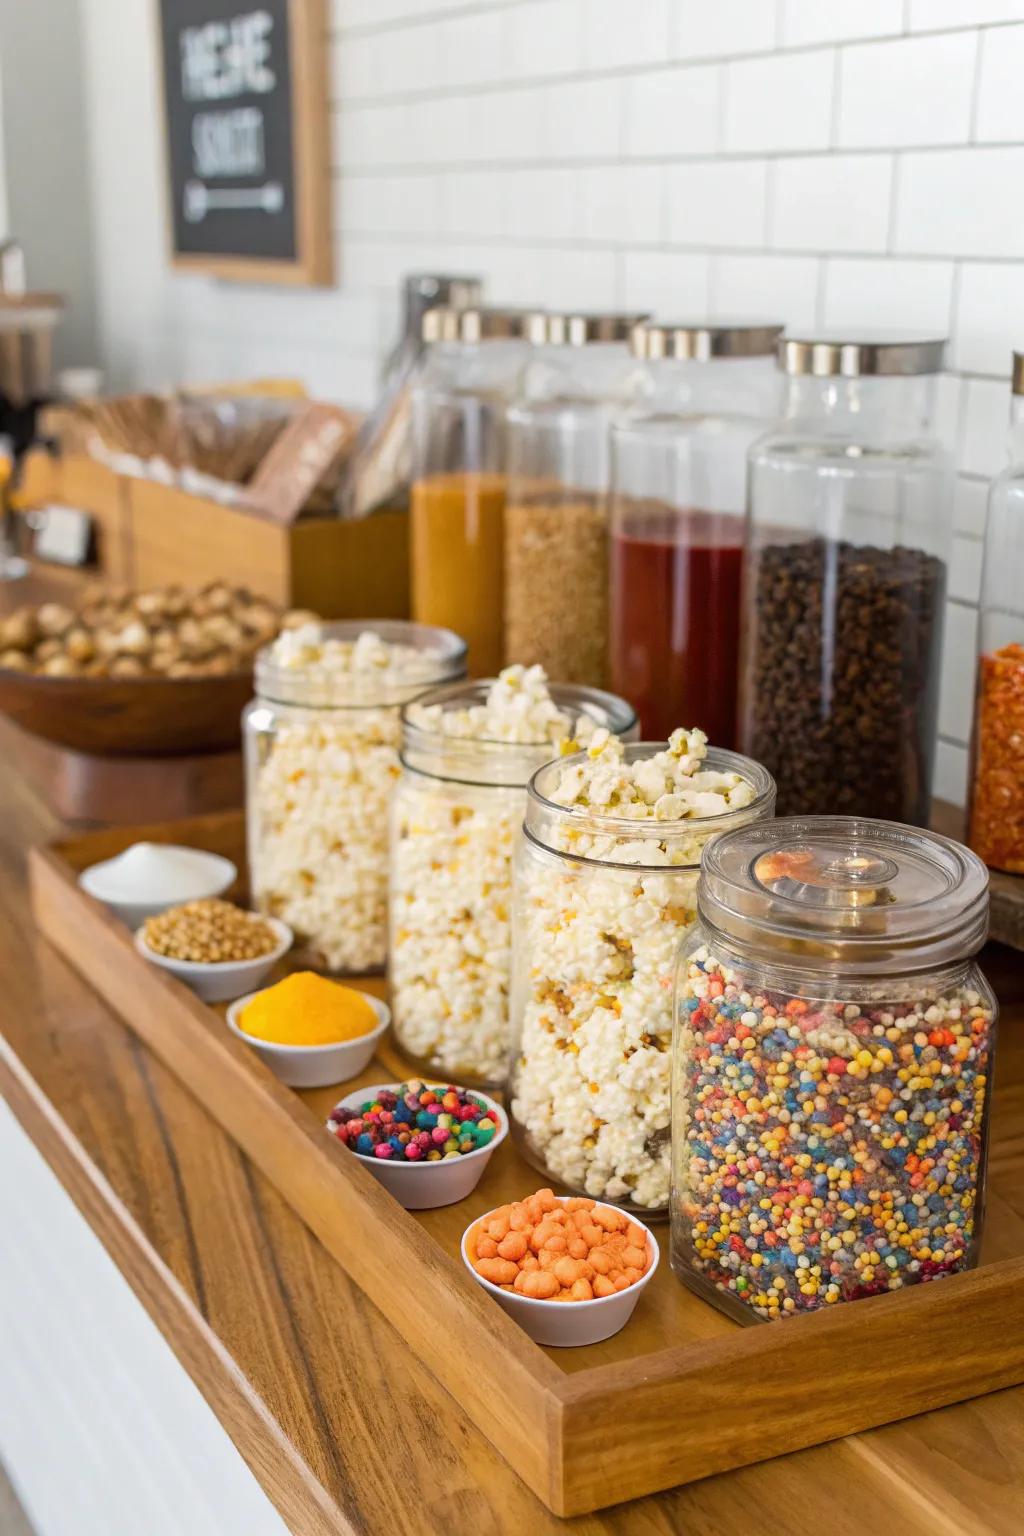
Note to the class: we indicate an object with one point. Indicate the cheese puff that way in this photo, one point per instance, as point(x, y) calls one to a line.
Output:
point(602, 1286)
point(540, 1286)
point(514, 1246)
point(611, 1221)
point(541, 1233)
point(487, 1248)
point(498, 1271)
point(566, 1272)
point(581, 1291)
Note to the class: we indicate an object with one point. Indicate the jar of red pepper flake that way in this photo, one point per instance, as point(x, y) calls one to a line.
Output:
point(997, 770)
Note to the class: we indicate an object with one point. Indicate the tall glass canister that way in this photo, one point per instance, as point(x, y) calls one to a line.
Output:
point(831, 1066)
point(468, 752)
point(605, 884)
point(556, 520)
point(700, 395)
point(321, 744)
point(470, 374)
point(997, 759)
point(849, 529)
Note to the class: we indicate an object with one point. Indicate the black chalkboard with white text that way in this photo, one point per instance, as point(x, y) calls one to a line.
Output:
point(231, 129)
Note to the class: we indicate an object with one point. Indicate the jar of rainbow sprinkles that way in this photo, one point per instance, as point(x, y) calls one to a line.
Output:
point(831, 1065)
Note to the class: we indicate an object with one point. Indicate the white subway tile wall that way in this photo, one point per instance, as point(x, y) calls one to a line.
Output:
point(830, 164)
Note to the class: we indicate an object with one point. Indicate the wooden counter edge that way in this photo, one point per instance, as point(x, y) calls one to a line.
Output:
point(290, 1485)
point(343, 1206)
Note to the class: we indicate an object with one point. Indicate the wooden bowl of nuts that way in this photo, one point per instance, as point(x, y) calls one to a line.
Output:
point(153, 673)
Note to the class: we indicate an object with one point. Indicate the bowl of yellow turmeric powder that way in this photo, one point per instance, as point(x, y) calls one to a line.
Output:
point(309, 1030)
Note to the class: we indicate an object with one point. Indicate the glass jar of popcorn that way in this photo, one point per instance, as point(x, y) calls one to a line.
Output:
point(468, 752)
point(606, 880)
point(831, 1066)
point(321, 762)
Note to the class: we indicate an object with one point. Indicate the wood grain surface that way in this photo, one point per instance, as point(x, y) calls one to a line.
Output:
point(344, 1428)
point(576, 1445)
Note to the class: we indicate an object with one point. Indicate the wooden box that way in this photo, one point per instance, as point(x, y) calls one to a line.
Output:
point(149, 534)
point(682, 1392)
point(75, 480)
point(340, 569)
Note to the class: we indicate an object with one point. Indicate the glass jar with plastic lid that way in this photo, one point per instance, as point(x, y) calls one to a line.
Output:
point(849, 531)
point(700, 396)
point(468, 752)
point(603, 894)
point(321, 744)
point(468, 377)
point(997, 758)
point(831, 1066)
point(556, 520)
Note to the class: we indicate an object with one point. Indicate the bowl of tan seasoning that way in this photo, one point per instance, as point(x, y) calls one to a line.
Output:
point(216, 948)
point(310, 1031)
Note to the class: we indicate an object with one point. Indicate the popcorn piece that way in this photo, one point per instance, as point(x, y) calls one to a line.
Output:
point(590, 1085)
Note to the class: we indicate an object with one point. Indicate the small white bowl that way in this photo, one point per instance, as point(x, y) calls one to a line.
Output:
point(568, 1324)
point(423, 1186)
point(219, 980)
point(314, 1066)
point(214, 875)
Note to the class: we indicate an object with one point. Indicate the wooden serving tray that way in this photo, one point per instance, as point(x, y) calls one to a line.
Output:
point(681, 1392)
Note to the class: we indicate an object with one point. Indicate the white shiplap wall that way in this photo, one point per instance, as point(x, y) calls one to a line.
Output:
point(831, 162)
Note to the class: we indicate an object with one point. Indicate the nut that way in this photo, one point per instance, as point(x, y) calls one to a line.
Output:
point(54, 618)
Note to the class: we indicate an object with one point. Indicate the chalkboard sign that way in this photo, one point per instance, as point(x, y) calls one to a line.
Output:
point(245, 95)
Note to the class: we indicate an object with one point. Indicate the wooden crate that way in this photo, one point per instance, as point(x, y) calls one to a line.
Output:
point(682, 1392)
point(75, 480)
point(148, 534)
point(339, 568)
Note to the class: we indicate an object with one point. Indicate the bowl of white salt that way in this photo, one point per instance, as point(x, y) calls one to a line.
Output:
point(147, 878)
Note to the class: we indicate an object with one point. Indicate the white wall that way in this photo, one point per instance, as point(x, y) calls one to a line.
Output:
point(832, 162)
point(44, 152)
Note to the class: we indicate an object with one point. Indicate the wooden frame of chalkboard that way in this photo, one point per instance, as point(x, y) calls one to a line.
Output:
point(273, 223)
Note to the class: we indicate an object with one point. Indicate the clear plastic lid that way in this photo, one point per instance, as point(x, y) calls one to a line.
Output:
point(846, 895)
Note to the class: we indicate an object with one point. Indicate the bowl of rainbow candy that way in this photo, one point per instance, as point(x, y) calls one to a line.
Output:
point(427, 1144)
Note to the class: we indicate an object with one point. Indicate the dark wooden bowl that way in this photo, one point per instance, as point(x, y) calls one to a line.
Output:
point(129, 716)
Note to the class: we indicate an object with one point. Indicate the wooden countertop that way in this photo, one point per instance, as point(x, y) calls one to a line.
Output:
point(300, 1367)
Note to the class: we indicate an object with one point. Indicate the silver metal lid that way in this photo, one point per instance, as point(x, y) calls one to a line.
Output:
point(576, 330)
point(845, 895)
point(859, 357)
point(700, 341)
point(1017, 377)
point(446, 323)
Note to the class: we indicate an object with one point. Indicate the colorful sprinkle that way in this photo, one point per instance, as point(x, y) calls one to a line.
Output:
point(824, 1151)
